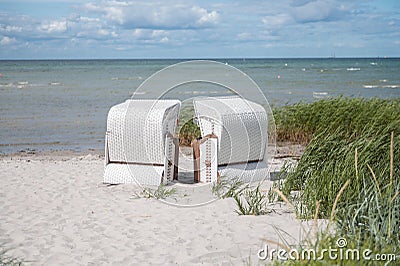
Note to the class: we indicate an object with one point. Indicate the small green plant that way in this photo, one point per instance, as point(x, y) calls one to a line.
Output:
point(187, 129)
point(251, 202)
point(227, 187)
point(162, 192)
point(189, 132)
point(6, 260)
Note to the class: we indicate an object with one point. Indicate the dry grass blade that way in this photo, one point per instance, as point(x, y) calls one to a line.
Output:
point(356, 162)
point(284, 198)
point(391, 180)
point(376, 181)
point(395, 196)
point(277, 243)
point(391, 158)
point(317, 205)
point(337, 199)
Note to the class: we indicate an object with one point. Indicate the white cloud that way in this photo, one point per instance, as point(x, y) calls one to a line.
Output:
point(205, 17)
point(56, 26)
point(11, 28)
point(276, 21)
point(158, 33)
point(190, 27)
point(164, 40)
point(161, 15)
point(244, 36)
point(151, 36)
point(318, 10)
point(106, 33)
point(7, 41)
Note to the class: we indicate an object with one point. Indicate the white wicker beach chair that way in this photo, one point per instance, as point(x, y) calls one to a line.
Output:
point(139, 145)
point(241, 127)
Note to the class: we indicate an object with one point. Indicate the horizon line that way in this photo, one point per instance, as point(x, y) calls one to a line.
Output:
point(199, 58)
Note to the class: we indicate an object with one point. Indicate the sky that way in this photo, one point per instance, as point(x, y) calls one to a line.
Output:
point(71, 29)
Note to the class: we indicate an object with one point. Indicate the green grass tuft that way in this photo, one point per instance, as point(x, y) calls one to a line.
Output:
point(339, 128)
point(348, 139)
point(251, 202)
point(227, 187)
point(7, 260)
point(162, 192)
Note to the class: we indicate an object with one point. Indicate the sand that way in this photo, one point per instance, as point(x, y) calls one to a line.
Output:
point(55, 210)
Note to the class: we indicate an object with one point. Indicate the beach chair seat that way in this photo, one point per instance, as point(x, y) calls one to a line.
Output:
point(241, 127)
point(139, 144)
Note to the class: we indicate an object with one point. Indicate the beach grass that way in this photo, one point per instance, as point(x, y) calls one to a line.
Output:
point(251, 201)
point(227, 187)
point(365, 231)
point(161, 192)
point(346, 137)
point(187, 129)
point(349, 172)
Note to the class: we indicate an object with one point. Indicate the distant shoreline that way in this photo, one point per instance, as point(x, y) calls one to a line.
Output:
point(201, 58)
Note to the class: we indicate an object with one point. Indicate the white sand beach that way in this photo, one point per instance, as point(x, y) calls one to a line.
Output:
point(55, 210)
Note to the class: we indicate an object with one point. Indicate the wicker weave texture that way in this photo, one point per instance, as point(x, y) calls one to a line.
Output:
point(241, 127)
point(133, 173)
point(139, 143)
point(137, 129)
point(247, 172)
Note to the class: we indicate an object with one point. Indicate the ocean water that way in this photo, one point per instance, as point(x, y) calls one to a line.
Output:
point(63, 104)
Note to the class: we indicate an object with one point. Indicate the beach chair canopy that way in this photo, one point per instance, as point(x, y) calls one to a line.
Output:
point(240, 125)
point(139, 139)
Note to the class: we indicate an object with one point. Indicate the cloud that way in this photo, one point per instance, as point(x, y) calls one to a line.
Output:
point(318, 10)
point(10, 28)
point(149, 36)
point(55, 26)
point(193, 27)
point(7, 41)
point(161, 15)
point(276, 21)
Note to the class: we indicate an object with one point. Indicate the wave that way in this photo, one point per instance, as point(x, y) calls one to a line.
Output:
point(353, 69)
point(6, 85)
point(128, 78)
point(395, 86)
point(391, 86)
point(370, 86)
point(198, 92)
point(320, 95)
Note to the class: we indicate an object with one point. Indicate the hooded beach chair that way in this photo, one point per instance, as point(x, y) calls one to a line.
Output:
point(139, 144)
point(241, 129)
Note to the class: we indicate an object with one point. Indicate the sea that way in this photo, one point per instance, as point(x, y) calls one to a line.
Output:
point(50, 105)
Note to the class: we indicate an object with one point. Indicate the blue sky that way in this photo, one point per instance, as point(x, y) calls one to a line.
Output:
point(198, 29)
